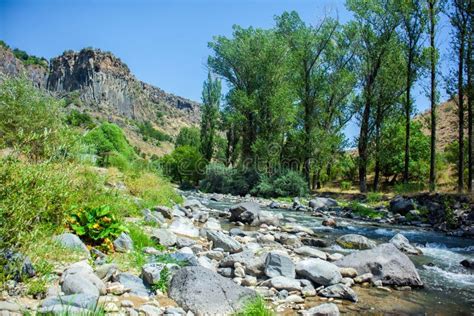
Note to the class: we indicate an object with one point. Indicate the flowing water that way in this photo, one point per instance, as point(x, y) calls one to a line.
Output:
point(449, 287)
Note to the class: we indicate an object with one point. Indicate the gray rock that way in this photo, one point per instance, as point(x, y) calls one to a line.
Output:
point(339, 291)
point(212, 224)
point(245, 212)
point(283, 283)
point(17, 265)
point(134, 283)
point(278, 264)
point(188, 258)
point(184, 242)
point(315, 242)
point(192, 204)
point(80, 278)
point(326, 309)
point(322, 202)
point(150, 310)
point(153, 217)
point(151, 272)
point(185, 227)
point(354, 241)
point(221, 240)
point(468, 263)
point(319, 271)
point(106, 271)
point(227, 272)
point(71, 241)
point(62, 309)
point(164, 237)
point(9, 306)
point(123, 243)
point(402, 243)
point(308, 251)
point(165, 211)
point(401, 205)
point(207, 293)
point(386, 263)
point(254, 264)
point(237, 232)
point(82, 300)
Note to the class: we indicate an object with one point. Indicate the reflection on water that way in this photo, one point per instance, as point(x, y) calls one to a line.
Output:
point(449, 287)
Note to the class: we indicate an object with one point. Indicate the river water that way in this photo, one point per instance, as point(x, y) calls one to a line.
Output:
point(449, 287)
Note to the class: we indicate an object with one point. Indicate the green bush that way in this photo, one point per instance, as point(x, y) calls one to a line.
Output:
point(97, 225)
point(364, 211)
point(185, 165)
point(284, 183)
point(374, 197)
point(80, 119)
point(109, 140)
point(30, 59)
point(255, 307)
point(221, 179)
point(345, 185)
point(147, 130)
point(411, 187)
point(31, 122)
point(188, 136)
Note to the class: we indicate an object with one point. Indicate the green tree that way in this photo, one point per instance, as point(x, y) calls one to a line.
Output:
point(185, 165)
point(188, 136)
point(211, 95)
point(375, 23)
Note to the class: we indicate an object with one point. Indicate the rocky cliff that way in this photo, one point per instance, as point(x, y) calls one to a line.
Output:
point(102, 85)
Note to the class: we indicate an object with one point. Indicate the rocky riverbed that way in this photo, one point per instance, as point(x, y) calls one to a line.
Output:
point(223, 251)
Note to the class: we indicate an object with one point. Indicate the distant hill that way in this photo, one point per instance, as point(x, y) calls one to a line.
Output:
point(446, 123)
point(101, 85)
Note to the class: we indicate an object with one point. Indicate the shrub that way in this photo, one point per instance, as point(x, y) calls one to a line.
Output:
point(29, 59)
point(284, 183)
point(345, 185)
point(31, 122)
point(188, 136)
point(184, 165)
point(147, 130)
point(403, 188)
point(97, 225)
point(82, 119)
point(373, 197)
point(108, 139)
point(221, 179)
point(364, 211)
point(255, 307)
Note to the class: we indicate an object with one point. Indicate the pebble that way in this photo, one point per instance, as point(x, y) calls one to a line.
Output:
point(126, 303)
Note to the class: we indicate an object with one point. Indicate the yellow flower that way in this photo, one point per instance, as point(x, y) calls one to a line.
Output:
point(96, 226)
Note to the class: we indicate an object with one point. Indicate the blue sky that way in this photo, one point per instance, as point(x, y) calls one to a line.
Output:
point(163, 42)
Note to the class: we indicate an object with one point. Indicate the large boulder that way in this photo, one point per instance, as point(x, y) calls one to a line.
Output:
point(278, 264)
point(79, 278)
point(386, 263)
point(322, 202)
point(221, 240)
point(319, 271)
point(71, 241)
point(184, 226)
point(164, 237)
point(205, 292)
point(250, 213)
point(254, 264)
point(283, 283)
point(354, 241)
point(83, 301)
point(402, 243)
point(401, 205)
point(134, 283)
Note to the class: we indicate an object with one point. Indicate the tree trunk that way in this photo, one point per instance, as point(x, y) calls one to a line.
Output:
point(431, 4)
point(378, 121)
point(362, 147)
point(461, 114)
point(470, 95)
point(407, 119)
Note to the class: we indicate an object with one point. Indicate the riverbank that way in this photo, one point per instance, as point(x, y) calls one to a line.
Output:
point(214, 254)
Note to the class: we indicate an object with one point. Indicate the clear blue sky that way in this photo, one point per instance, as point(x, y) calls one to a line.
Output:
point(163, 42)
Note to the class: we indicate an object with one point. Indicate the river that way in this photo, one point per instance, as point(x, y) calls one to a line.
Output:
point(449, 287)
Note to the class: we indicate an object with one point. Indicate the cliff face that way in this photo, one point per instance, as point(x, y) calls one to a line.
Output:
point(106, 85)
point(106, 88)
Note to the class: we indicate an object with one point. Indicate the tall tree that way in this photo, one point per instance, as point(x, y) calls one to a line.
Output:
point(412, 28)
point(470, 93)
point(308, 45)
point(459, 17)
point(376, 28)
point(433, 11)
point(211, 95)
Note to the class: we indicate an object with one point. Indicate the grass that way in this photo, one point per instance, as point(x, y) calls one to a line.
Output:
point(364, 211)
point(163, 282)
point(255, 307)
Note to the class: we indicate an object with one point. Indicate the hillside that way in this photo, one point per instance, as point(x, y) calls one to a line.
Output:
point(101, 85)
point(447, 123)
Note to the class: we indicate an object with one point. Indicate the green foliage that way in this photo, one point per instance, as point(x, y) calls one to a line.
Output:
point(188, 136)
point(80, 119)
point(255, 307)
point(211, 95)
point(36, 287)
point(31, 122)
point(108, 140)
point(345, 185)
point(149, 132)
point(221, 179)
point(3, 44)
point(30, 59)
point(185, 165)
point(374, 197)
point(411, 187)
point(73, 97)
point(97, 225)
point(163, 282)
point(364, 211)
point(284, 183)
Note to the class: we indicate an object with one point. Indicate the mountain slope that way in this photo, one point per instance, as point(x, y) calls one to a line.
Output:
point(101, 85)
